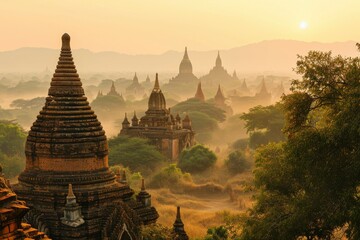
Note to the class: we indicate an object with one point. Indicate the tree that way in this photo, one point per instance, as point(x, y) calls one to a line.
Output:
point(135, 153)
point(309, 185)
point(196, 159)
point(170, 176)
point(12, 141)
point(236, 162)
point(195, 105)
point(264, 124)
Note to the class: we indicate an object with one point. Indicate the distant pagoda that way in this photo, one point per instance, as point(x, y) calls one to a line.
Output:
point(218, 75)
point(135, 88)
point(199, 93)
point(168, 133)
point(67, 145)
point(184, 80)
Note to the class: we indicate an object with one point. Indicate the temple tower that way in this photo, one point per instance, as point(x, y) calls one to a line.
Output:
point(67, 145)
point(219, 97)
point(185, 65)
point(218, 62)
point(199, 93)
point(178, 229)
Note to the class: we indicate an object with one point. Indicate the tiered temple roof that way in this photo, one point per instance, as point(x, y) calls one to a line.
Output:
point(67, 145)
point(165, 131)
point(178, 229)
point(12, 211)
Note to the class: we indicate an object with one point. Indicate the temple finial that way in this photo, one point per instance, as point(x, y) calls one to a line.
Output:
point(178, 216)
point(123, 177)
point(143, 185)
point(65, 42)
point(70, 192)
point(157, 85)
point(186, 53)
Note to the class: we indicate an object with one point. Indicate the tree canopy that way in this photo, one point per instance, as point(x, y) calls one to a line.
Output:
point(196, 159)
point(309, 185)
point(135, 153)
point(12, 148)
point(204, 117)
point(264, 124)
point(195, 105)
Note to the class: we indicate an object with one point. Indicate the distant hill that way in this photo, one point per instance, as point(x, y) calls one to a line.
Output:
point(265, 56)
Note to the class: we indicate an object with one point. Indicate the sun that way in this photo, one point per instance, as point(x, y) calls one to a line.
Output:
point(303, 25)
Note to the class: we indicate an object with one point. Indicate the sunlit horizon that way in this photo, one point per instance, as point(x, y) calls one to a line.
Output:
point(139, 27)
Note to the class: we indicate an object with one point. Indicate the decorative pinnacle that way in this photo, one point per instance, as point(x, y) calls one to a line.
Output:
point(65, 42)
point(70, 192)
point(142, 185)
point(123, 177)
point(178, 216)
point(157, 85)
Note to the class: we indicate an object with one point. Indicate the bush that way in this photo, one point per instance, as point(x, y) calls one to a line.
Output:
point(236, 162)
point(170, 176)
point(196, 159)
point(133, 178)
point(135, 153)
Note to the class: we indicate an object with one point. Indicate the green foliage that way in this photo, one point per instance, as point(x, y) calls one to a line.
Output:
point(264, 124)
point(217, 233)
point(134, 179)
point(135, 153)
point(236, 162)
point(201, 122)
point(231, 228)
point(156, 231)
point(204, 117)
point(195, 105)
point(309, 185)
point(170, 176)
point(12, 142)
point(196, 159)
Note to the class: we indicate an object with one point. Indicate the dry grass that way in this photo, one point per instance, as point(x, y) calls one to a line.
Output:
point(198, 214)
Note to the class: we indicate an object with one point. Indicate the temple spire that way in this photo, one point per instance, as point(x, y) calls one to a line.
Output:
point(219, 97)
point(157, 85)
point(65, 80)
point(186, 54)
point(178, 229)
point(185, 64)
point(123, 177)
point(65, 42)
point(72, 212)
point(125, 123)
point(143, 196)
point(70, 192)
point(143, 185)
point(135, 120)
point(135, 79)
point(199, 93)
point(218, 62)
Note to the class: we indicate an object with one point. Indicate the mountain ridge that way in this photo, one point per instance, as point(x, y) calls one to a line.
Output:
point(264, 56)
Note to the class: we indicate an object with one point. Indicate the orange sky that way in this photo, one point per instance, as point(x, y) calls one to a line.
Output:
point(155, 26)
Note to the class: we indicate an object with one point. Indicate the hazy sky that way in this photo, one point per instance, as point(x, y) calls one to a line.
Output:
point(155, 26)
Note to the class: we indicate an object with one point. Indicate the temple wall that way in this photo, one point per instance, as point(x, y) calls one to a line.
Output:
point(67, 164)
